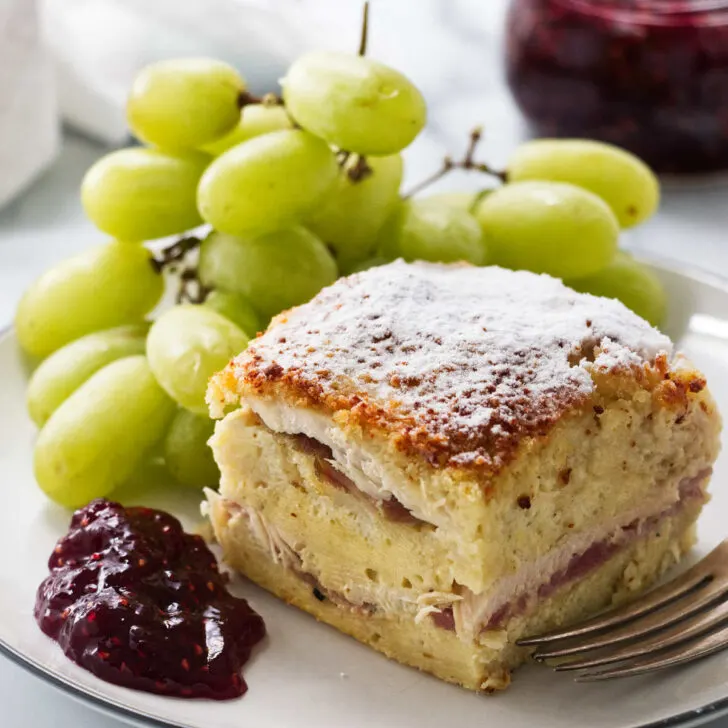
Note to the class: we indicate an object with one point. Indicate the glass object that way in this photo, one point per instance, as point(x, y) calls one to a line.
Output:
point(648, 75)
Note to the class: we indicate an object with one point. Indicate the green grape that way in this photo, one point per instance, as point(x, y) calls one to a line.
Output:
point(255, 119)
point(141, 194)
point(635, 285)
point(151, 479)
point(274, 271)
point(549, 227)
point(183, 103)
point(434, 231)
point(353, 102)
point(186, 345)
point(268, 182)
point(622, 180)
point(64, 371)
point(352, 213)
point(367, 264)
point(186, 452)
point(462, 200)
point(94, 441)
point(237, 309)
point(105, 286)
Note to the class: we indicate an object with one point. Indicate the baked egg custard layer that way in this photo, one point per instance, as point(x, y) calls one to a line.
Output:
point(441, 459)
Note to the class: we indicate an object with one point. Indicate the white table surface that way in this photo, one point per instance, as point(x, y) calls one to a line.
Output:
point(461, 80)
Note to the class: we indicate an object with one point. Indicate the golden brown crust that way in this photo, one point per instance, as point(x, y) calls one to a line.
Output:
point(456, 365)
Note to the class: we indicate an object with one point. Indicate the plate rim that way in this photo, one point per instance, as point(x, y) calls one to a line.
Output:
point(101, 703)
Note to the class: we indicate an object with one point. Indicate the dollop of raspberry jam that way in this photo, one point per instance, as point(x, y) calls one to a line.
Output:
point(138, 602)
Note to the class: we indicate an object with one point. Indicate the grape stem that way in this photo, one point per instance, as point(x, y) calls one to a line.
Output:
point(245, 98)
point(360, 170)
point(356, 172)
point(468, 163)
point(190, 288)
point(364, 30)
point(174, 253)
point(342, 157)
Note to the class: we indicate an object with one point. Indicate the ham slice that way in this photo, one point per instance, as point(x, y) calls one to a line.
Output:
point(391, 508)
point(581, 564)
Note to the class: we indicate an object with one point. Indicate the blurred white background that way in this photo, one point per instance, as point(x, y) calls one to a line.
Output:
point(65, 66)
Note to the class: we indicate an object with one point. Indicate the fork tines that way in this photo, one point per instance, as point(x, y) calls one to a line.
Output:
point(679, 622)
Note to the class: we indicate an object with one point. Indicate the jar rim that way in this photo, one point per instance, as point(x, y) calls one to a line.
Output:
point(651, 12)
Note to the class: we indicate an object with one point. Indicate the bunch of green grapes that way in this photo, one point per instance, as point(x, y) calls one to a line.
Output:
point(295, 190)
point(292, 197)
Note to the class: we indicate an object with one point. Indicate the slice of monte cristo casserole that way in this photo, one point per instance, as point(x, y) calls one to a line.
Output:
point(439, 460)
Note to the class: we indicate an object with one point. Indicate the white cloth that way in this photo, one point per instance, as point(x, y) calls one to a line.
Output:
point(28, 121)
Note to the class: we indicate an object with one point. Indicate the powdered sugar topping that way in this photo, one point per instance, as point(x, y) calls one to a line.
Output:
point(461, 358)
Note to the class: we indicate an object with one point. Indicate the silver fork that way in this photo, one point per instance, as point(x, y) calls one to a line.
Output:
point(682, 621)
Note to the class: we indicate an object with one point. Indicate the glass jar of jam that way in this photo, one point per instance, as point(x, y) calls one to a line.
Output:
point(648, 75)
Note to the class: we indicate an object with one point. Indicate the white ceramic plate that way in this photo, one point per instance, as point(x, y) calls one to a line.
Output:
point(308, 675)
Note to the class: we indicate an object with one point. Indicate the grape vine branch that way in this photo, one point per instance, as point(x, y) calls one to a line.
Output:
point(359, 170)
point(468, 163)
point(364, 30)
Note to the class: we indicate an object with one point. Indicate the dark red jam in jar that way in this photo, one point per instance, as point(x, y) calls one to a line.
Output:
point(140, 603)
point(647, 75)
